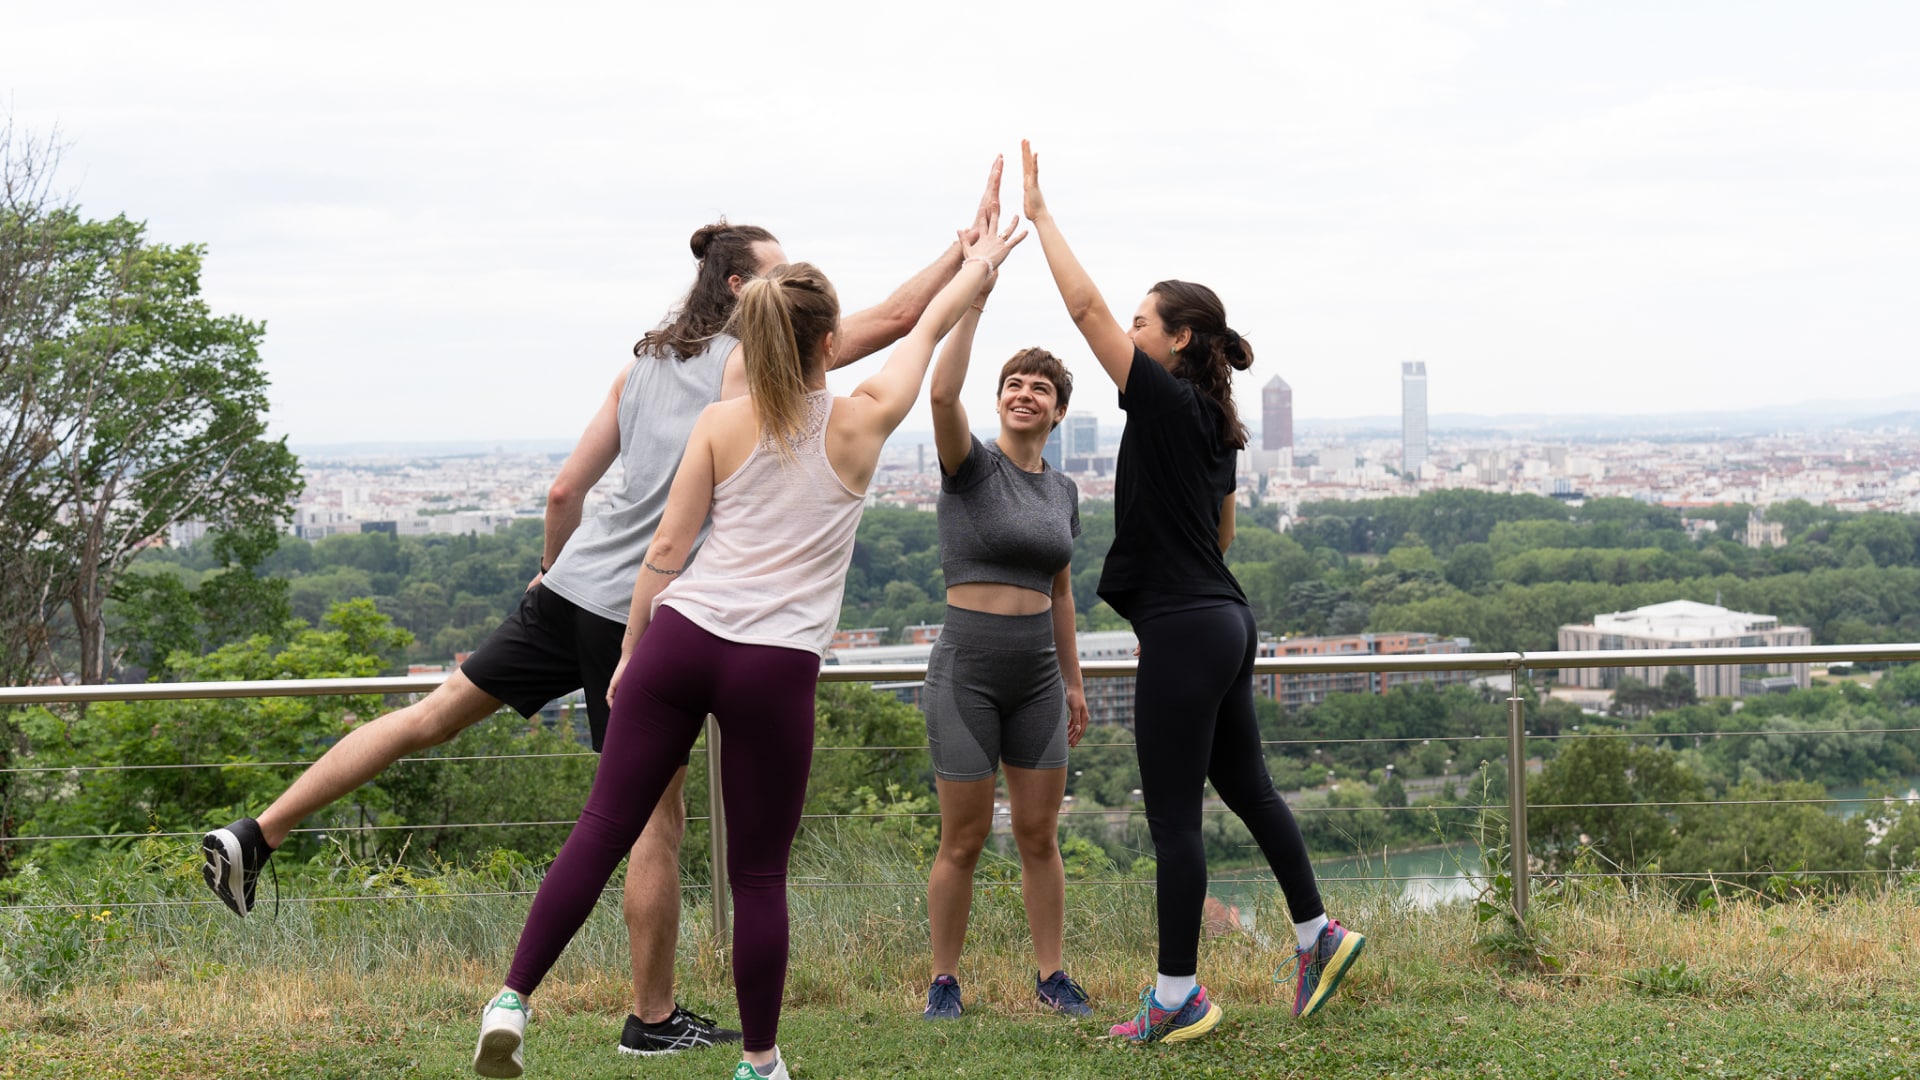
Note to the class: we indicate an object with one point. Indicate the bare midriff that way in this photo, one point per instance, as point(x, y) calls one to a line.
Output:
point(995, 598)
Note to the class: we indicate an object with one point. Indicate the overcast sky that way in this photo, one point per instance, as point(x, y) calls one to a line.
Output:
point(455, 220)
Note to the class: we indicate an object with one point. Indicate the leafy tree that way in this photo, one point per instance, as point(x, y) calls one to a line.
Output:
point(1348, 617)
point(1898, 848)
point(1677, 691)
point(148, 410)
point(35, 302)
point(163, 622)
point(1758, 838)
point(353, 642)
point(1611, 776)
point(1885, 539)
point(1470, 567)
point(1310, 604)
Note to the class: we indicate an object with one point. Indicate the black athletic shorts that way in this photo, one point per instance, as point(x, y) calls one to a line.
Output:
point(548, 648)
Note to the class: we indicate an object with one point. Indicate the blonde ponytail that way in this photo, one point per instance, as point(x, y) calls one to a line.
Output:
point(782, 320)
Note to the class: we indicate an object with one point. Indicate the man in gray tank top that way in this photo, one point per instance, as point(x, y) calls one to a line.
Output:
point(566, 633)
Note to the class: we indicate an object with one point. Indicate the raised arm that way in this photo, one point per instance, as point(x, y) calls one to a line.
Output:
point(584, 467)
point(1108, 339)
point(879, 326)
point(950, 435)
point(886, 396)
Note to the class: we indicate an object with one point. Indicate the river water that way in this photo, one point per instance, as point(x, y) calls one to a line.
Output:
point(1422, 879)
point(1430, 877)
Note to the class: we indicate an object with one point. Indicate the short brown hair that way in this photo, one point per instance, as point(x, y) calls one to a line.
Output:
point(1044, 364)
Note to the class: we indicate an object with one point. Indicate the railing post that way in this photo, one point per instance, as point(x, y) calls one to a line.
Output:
point(717, 839)
point(1517, 790)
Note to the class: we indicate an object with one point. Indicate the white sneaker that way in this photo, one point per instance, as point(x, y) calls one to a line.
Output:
point(746, 1071)
point(503, 1027)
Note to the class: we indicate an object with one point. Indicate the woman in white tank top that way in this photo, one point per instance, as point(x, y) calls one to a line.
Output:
point(783, 473)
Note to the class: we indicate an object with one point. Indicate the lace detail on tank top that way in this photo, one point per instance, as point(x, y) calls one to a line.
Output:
point(812, 439)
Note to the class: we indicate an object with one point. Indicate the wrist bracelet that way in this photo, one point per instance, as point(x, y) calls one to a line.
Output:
point(981, 259)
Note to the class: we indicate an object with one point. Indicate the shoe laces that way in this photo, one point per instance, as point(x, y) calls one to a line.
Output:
point(1061, 985)
point(1143, 1020)
point(943, 995)
point(685, 1016)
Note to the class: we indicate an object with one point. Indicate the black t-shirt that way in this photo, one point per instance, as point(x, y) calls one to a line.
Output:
point(1171, 477)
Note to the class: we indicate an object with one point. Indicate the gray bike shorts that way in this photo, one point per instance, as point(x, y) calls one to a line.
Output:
point(993, 693)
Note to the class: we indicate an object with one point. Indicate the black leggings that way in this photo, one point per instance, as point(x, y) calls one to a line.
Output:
point(1193, 721)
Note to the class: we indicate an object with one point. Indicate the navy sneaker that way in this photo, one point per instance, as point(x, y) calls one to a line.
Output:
point(943, 999)
point(1060, 993)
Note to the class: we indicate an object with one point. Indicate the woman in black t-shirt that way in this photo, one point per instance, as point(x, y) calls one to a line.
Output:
point(1167, 574)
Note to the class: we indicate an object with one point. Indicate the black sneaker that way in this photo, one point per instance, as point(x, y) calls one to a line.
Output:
point(943, 999)
point(681, 1031)
point(235, 855)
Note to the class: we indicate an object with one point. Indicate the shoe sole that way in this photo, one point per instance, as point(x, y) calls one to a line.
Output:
point(1343, 958)
point(494, 1055)
point(1198, 1028)
point(224, 872)
point(625, 1049)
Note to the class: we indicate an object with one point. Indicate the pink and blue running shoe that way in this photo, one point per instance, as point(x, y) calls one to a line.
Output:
point(1195, 1017)
point(1321, 968)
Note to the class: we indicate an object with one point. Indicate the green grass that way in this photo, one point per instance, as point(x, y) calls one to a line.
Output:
point(1819, 987)
point(1485, 1029)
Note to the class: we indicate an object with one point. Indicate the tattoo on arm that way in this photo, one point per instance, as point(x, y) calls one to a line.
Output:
point(657, 570)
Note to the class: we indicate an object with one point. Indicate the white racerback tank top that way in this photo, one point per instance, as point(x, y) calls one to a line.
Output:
point(775, 563)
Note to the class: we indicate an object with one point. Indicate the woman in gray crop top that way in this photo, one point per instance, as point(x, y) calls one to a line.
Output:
point(1003, 683)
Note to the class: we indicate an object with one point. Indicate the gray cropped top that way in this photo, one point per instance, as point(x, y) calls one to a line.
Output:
point(1002, 524)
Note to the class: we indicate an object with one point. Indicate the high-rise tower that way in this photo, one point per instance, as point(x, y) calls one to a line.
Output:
point(1413, 417)
point(1082, 435)
point(1276, 415)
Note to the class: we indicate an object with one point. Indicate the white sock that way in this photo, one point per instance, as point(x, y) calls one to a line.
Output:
point(767, 1069)
point(1171, 990)
point(1309, 931)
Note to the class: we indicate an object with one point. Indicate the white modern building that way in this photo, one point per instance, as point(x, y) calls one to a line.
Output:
point(1687, 624)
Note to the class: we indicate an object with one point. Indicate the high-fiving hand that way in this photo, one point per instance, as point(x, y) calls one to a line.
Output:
point(1034, 203)
point(989, 203)
point(993, 242)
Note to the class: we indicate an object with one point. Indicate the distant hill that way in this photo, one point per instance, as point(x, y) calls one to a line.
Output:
point(1863, 414)
point(348, 451)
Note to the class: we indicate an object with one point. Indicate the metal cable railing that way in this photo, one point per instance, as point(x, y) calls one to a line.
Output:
point(1515, 664)
point(1601, 733)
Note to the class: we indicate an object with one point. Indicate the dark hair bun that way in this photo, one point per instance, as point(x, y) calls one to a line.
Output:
point(703, 237)
point(1238, 352)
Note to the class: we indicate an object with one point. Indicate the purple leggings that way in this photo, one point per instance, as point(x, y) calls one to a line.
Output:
point(762, 696)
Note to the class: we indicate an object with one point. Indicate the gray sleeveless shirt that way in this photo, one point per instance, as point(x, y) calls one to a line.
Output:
point(658, 407)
